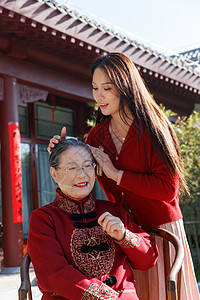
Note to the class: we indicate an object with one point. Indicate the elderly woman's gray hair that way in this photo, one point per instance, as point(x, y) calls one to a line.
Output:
point(64, 145)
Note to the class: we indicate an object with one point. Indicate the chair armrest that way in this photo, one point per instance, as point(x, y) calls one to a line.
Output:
point(179, 254)
point(25, 287)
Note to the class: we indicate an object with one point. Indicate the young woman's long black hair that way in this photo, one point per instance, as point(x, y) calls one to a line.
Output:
point(134, 94)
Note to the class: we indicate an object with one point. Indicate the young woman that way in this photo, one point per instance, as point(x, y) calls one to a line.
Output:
point(82, 248)
point(141, 169)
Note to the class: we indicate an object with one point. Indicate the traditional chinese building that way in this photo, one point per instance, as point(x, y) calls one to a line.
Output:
point(45, 56)
point(192, 57)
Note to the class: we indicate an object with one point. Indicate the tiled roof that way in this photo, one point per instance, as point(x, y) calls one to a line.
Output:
point(182, 60)
point(192, 55)
point(60, 24)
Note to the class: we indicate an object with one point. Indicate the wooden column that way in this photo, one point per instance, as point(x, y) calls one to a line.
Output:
point(12, 223)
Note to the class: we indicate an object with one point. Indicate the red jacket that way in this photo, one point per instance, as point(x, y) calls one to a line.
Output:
point(74, 258)
point(150, 191)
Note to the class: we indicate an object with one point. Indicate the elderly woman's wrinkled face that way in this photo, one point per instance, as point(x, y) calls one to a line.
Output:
point(75, 174)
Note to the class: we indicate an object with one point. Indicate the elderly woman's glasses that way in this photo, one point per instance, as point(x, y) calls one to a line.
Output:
point(86, 167)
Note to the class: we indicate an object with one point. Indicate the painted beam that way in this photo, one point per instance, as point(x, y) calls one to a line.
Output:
point(43, 77)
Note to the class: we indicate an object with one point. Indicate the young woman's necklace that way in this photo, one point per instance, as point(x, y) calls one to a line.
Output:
point(120, 139)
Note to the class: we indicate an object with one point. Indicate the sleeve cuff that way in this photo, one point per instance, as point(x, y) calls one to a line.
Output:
point(95, 291)
point(130, 240)
point(119, 176)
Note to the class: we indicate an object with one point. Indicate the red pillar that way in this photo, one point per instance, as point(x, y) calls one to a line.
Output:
point(12, 230)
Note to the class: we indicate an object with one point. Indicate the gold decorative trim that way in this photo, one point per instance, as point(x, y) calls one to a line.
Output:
point(130, 240)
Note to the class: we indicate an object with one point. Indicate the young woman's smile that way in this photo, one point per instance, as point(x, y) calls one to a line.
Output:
point(105, 93)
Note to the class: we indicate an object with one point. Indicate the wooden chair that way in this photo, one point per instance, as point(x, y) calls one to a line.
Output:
point(25, 287)
point(171, 270)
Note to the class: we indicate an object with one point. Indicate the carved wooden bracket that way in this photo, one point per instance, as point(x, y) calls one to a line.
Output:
point(26, 94)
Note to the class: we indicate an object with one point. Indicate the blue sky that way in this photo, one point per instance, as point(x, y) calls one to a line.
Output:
point(171, 24)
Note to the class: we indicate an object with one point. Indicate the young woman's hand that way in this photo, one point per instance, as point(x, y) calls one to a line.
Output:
point(105, 163)
point(112, 225)
point(56, 138)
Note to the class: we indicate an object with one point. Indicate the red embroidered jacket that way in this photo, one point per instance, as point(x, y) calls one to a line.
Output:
point(75, 259)
point(150, 192)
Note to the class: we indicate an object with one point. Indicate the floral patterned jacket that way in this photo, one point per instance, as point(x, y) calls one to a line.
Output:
point(75, 259)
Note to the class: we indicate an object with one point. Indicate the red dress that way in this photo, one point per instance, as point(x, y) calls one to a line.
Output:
point(151, 193)
point(75, 259)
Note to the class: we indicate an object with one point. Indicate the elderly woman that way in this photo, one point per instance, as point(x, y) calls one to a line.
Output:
point(83, 248)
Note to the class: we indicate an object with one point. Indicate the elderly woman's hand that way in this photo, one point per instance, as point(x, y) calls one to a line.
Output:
point(112, 225)
point(105, 163)
point(56, 138)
